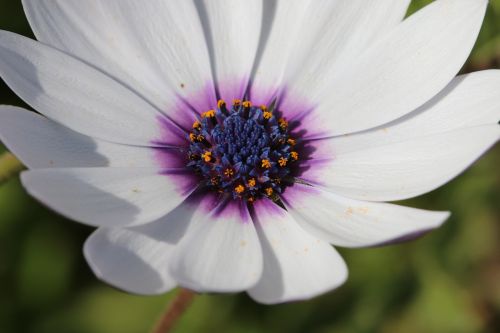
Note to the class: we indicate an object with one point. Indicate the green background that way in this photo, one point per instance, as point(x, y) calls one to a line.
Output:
point(447, 281)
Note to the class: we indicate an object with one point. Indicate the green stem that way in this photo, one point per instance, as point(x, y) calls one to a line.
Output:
point(10, 167)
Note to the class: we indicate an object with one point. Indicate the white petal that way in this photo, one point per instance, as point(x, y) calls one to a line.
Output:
point(109, 197)
point(401, 71)
point(221, 254)
point(156, 47)
point(469, 100)
point(334, 33)
point(234, 28)
point(42, 143)
point(129, 260)
point(418, 153)
point(404, 169)
point(136, 259)
point(75, 94)
point(297, 266)
point(282, 20)
point(351, 223)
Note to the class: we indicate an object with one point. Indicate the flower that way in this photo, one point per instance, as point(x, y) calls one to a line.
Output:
point(224, 145)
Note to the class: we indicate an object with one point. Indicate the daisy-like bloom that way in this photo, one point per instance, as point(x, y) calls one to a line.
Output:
point(224, 145)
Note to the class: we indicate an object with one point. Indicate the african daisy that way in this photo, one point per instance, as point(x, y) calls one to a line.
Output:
point(223, 145)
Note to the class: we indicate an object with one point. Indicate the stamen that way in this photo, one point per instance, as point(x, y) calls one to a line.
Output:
point(208, 114)
point(236, 102)
point(269, 191)
point(267, 115)
point(239, 189)
point(266, 164)
point(294, 155)
point(283, 123)
point(291, 142)
point(228, 172)
point(282, 161)
point(197, 125)
point(207, 156)
point(251, 182)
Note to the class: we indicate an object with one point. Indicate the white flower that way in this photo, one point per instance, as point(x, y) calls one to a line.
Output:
point(230, 196)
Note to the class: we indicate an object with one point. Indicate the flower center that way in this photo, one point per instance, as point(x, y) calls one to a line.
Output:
point(244, 151)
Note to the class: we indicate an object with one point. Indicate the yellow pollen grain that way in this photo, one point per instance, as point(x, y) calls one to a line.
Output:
point(282, 161)
point(251, 182)
point(196, 125)
point(263, 108)
point(221, 103)
point(267, 115)
point(208, 114)
point(294, 155)
point(192, 137)
point(228, 172)
point(269, 191)
point(247, 104)
point(283, 123)
point(266, 164)
point(291, 142)
point(239, 189)
point(207, 156)
point(236, 102)
point(200, 138)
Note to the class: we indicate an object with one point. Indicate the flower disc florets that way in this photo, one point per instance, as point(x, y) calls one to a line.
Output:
point(244, 151)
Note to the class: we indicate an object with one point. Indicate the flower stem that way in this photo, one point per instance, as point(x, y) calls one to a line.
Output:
point(10, 166)
point(175, 310)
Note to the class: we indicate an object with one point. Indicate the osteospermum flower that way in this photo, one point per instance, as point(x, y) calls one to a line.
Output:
point(223, 145)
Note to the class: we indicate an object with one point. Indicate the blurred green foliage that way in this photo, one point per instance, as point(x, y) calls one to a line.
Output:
point(447, 281)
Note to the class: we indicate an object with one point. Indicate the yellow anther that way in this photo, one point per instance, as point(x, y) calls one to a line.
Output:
point(207, 156)
point(251, 182)
point(269, 191)
point(266, 163)
point(192, 137)
point(236, 102)
point(228, 172)
point(283, 123)
point(291, 142)
point(294, 155)
point(196, 125)
point(263, 108)
point(239, 189)
point(214, 180)
point(282, 161)
point(208, 114)
point(200, 138)
point(221, 103)
point(267, 115)
point(247, 104)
